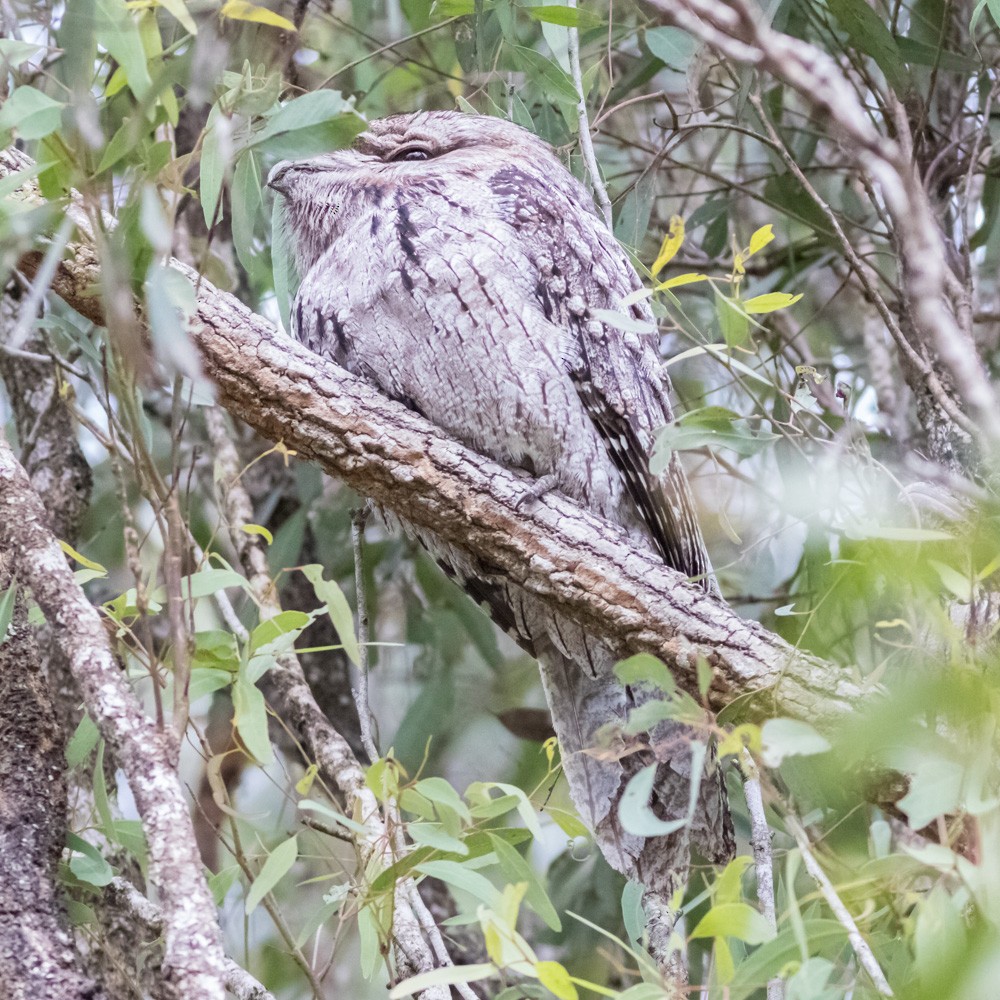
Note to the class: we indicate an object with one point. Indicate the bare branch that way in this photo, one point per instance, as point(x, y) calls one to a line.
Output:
point(861, 948)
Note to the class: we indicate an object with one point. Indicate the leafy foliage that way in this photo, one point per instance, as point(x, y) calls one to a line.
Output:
point(801, 435)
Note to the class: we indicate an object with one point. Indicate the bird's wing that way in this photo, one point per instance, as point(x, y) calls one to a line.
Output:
point(582, 269)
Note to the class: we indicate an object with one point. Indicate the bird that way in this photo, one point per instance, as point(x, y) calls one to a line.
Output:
point(452, 261)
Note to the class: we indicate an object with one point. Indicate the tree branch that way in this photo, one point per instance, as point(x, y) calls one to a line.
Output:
point(193, 955)
point(568, 558)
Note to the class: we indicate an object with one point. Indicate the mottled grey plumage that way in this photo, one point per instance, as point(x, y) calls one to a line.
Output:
point(453, 262)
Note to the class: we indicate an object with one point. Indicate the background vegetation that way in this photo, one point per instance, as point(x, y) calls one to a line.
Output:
point(843, 458)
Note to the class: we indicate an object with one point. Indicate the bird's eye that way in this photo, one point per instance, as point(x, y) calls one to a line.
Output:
point(410, 153)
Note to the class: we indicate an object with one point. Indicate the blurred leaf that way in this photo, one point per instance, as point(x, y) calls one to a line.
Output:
point(781, 738)
point(555, 978)
point(30, 114)
point(672, 46)
point(118, 31)
point(923, 54)
point(442, 977)
point(274, 869)
point(869, 34)
point(736, 920)
point(644, 668)
point(241, 10)
point(568, 17)
point(7, 600)
point(259, 530)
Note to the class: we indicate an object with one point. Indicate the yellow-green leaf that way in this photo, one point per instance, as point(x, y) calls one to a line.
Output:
point(744, 735)
point(554, 977)
point(304, 785)
point(81, 559)
point(241, 10)
point(760, 239)
point(671, 244)
point(770, 302)
point(258, 529)
point(682, 279)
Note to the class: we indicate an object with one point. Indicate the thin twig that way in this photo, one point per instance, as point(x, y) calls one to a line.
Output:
point(586, 139)
point(358, 519)
point(861, 948)
point(763, 859)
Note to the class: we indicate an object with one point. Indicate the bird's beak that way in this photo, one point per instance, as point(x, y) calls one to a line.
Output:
point(278, 178)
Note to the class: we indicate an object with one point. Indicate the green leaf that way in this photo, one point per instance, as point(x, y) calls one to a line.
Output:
point(204, 584)
point(691, 278)
point(439, 791)
point(283, 625)
point(734, 324)
point(781, 738)
point(516, 869)
point(329, 592)
point(81, 744)
point(221, 882)
point(14, 52)
point(178, 8)
point(551, 78)
point(205, 681)
point(869, 34)
point(922, 54)
point(246, 202)
point(634, 809)
point(118, 31)
point(644, 668)
point(301, 112)
point(434, 835)
point(30, 114)
point(567, 17)
point(823, 936)
point(442, 977)
point(88, 864)
point(216, 151)
point(250, 719)
point(709, 427)
point(672, 46)
point(278, 863)
point(7, 600)
point(622, 321)
point(738, 920)
point(462, 877)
